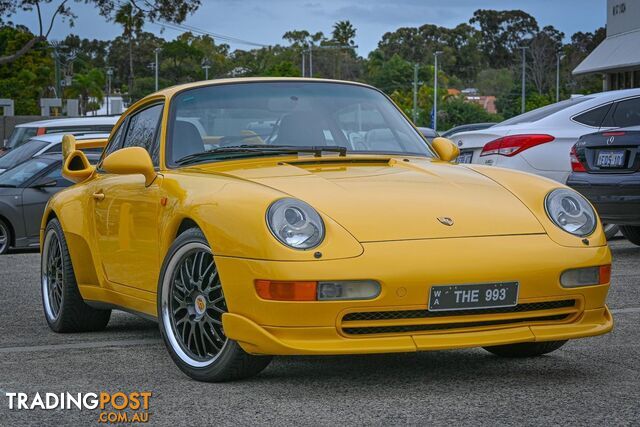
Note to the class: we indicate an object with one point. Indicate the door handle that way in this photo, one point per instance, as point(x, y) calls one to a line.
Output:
point(99, 195)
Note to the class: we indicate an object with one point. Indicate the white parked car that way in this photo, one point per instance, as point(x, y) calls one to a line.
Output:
point(540, 141)
point(25, 131)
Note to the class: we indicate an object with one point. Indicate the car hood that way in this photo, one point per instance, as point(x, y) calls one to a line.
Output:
point(391, 199)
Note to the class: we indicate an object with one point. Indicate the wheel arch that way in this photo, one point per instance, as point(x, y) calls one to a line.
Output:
point(12, 231)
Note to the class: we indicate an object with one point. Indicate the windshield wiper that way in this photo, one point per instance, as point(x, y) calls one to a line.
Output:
point(261, 150)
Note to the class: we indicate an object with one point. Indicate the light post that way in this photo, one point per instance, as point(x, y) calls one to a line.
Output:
point(303, 64)
point(524, 77)
point(559, 58)
point(436, 54)
point(415, 94)
point(157, 52)
point(206, 64)
point(109, 75)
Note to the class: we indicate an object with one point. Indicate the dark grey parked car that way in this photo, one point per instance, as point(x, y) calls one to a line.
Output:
point(24, 192)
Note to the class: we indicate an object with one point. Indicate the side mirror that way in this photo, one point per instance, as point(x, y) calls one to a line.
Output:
point(130, 161)
point(445, 148)
point(44, 182)
point(76, 166)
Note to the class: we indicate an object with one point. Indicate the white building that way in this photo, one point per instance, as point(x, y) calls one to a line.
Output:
point(617, 58)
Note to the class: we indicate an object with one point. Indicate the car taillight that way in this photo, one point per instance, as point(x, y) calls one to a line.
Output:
point(513, 144)
point(576, 164)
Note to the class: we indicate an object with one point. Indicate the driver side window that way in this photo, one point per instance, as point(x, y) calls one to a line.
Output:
point(142, 131)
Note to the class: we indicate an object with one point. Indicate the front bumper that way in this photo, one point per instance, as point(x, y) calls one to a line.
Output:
point(616, 197)
point(406, 270)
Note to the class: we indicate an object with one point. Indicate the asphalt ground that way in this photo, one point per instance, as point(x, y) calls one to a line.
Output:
point(593, 381)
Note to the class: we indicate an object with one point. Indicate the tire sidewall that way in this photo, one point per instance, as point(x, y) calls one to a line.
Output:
point(7, 232)
point(53, 227)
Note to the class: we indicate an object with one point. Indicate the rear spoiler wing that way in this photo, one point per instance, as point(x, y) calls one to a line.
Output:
point(70, 144)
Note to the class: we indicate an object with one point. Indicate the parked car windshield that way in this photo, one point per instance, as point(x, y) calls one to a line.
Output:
point(24, 172)
point(21, 153)
point(20, 135)
point(291, 114)
point(544, 112)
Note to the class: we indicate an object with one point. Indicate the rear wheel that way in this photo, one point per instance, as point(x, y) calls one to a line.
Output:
point(5, 237)
point(64, 308)
point(632, 233)
point(525, 349)
point(610, 230)
point(191, 303)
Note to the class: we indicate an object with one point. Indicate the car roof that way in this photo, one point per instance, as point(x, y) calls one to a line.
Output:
point(57, 137)
point(75, 121)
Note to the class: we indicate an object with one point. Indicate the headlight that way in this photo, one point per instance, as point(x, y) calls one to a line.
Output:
point(571, 212)
point(295, 224)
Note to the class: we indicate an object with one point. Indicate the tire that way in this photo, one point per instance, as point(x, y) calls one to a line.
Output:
point(5, 237)
point(632, 233)
point(64, 308)
point(525, 349)
point(610, 230)
point(190, 307)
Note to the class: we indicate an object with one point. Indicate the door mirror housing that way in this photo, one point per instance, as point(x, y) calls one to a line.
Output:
point(130, 161)
point(446, 149)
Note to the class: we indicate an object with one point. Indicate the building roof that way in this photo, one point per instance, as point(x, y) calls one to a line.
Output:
point(616, 52)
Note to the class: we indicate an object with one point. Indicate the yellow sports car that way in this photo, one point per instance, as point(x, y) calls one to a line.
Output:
point(262, 217)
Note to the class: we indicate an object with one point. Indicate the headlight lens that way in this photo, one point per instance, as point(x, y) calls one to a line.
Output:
point(571, 212)
point(295, 223)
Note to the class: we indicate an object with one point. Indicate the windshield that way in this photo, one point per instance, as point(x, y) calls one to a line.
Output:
point(544, 112)
point(20, 154)
point(20, 135)
point(24, 172)
point(288, 114)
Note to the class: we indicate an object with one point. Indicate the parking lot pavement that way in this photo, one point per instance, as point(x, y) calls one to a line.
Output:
point(594, 381)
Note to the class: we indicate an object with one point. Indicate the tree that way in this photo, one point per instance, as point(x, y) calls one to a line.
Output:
point(344, 33)
point(132, 20)
point(152, 10)
point(85, 87)
point(455, 111)
point(543, 48)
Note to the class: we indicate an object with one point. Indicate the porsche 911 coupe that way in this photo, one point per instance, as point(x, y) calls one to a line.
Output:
point(261, 217)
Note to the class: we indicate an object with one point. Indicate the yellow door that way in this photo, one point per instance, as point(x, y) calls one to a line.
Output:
point(126, 229)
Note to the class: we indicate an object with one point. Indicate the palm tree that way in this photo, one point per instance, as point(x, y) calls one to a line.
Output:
point(86, 86)
point(132, 19)
point(344, 33)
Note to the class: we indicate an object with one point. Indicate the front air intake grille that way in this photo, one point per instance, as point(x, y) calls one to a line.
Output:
point(424, 314)
point(425, 321)
point(445, 326)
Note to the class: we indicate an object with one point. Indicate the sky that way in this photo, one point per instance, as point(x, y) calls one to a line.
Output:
point(265, 21)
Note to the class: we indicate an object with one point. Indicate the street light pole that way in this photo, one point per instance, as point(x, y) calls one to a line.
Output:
point(157, 51)
point(310, 59)
point(559, 57)
point(303, 64)
point(415, 94)
point(524, 77)
point(436, 54)
point(109, 74)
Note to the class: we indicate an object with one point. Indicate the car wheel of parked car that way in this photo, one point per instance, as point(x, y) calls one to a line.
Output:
point(64, 308)
point(610, 230)
point(5, 237)
point(191, 303)
point(632, 233)
point(525, 349)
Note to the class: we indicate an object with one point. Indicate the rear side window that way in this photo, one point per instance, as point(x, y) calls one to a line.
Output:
point(142, 129)
point(627, 113)
point(544, 112)
point(593, 117)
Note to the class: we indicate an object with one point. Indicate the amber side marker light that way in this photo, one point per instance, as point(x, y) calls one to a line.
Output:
point(588, 276)
point(275, 290)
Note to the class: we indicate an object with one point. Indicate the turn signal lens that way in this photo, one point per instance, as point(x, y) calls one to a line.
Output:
point(513, 144)
point(348, 290)
point(286, 291)
point(317, 291)
point(588, 276)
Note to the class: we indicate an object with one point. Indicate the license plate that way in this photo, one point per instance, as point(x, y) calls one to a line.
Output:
point(465, 157)
point(474, 296)
point(610, 159)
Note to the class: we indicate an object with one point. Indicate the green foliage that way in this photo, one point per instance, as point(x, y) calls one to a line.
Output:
point(29, 77)
point(456, 111)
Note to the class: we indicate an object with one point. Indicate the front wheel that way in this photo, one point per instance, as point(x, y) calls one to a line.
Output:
point(632, 233)
point(191, 303)
point(610, 230)
point(5, 237)
point(525, 349)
